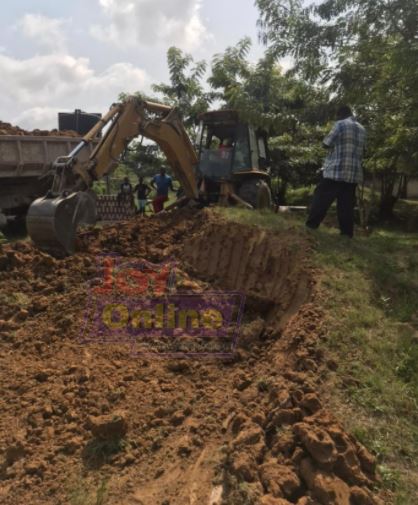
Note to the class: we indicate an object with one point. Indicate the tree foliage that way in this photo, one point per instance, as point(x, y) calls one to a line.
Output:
point(289, 110)
point(363, 52)
point(185, 90)
point(263, 95)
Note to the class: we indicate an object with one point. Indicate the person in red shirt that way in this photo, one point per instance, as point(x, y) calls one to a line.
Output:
point(226, 148)
point(163, 183)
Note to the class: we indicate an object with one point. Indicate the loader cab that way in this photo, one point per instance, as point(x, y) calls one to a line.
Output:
point(229, 149)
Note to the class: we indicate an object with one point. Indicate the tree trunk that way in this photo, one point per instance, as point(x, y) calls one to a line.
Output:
point(387, 197)
point(403, 187)
point(387, 205)
point(280, 197)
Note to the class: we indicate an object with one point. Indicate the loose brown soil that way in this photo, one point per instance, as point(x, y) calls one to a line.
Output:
point(248, 430)
point(8, 129)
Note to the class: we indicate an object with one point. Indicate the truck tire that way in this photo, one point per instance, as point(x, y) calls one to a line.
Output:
point(256, 192)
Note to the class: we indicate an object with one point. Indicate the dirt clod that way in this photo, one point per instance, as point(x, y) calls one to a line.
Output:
point(111, 426)
point(279, 480)
point(317, 442)
point(327, 489)
point(14, 453)
point(271, 500)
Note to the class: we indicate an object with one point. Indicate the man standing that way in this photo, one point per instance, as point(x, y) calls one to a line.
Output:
point(125, 194)
point(142, 191)
point(341, 173)
point(162, 183)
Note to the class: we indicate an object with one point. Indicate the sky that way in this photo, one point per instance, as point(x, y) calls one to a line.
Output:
point(80, 54)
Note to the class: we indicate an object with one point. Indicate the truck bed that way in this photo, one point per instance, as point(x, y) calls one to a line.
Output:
point(27, 156)
point(25, 167)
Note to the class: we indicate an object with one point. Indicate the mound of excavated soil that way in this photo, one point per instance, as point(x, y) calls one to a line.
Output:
point(8, 129)
point(250, 430)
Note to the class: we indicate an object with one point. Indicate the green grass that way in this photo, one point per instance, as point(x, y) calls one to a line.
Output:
point(369, 292)
point(16, 298)
point(98, 452)
point(264, 218)
point(82, 493)
point(372, 306)
point(299, 196)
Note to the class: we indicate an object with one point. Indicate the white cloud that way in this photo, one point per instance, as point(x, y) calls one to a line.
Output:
point(39, 117)
point(34, 89)
point(149, 22)
point(47, 33)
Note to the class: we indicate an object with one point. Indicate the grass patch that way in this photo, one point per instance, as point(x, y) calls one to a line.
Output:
point(262, 218)
point(299, 196)
point(371, 287)
point(82, 493)
point(98, 452)
point(16, 298)
point(370, 295)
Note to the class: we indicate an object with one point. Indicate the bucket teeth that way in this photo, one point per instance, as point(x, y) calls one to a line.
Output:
point(52, 222)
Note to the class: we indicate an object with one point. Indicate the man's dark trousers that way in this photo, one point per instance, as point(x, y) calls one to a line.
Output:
point(325, 194)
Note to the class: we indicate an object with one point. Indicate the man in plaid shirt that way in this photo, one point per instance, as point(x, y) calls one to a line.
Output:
point(341, 173)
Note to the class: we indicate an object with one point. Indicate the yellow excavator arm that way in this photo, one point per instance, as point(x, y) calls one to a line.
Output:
point(156, 122)
point(52, 221)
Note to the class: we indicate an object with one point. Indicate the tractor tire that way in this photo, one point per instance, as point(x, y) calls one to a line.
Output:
point(256, 192)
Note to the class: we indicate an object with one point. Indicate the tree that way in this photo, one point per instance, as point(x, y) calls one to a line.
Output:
point(185, 90)
point(289, 111)
point(144, 159)
point(363, 51)
point(229, 70)
point(317, 34)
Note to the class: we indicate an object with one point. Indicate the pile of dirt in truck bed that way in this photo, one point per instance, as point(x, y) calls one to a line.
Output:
point(8, 129)
point(88, 424)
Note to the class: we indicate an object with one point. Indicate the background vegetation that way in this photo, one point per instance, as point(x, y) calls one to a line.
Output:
point(360, 52)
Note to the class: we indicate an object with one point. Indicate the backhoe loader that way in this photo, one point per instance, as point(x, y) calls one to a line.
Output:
point(230, 164)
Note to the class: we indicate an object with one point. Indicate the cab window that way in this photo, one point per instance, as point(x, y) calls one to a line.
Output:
point(242, 158)
point(216, 151)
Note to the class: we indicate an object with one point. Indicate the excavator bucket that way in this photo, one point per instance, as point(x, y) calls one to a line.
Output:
point(52, 222)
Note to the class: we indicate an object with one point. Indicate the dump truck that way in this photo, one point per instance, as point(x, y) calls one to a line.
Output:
point(229, 165)
point(26, 169)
